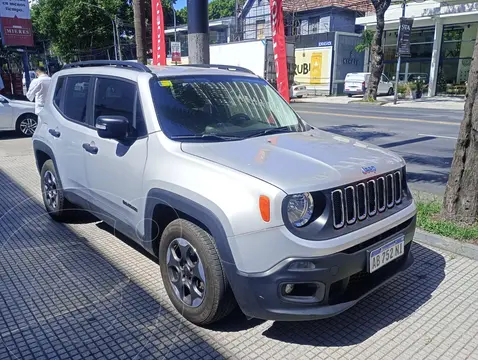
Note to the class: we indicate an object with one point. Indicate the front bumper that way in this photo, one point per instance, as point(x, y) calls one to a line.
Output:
point(344, 275)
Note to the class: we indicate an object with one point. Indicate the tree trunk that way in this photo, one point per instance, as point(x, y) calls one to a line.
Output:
point(376, 71)
point(461, 196)
point(140, 30)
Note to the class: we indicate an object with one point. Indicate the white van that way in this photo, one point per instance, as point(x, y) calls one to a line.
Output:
point(356, 83)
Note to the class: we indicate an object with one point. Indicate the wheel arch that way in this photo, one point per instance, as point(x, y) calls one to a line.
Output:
point(43, 153)
point(163, 206)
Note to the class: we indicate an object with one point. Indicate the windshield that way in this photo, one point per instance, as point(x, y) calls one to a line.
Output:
point(221, 108)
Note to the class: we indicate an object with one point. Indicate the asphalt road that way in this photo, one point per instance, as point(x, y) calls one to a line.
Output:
point(425, 138)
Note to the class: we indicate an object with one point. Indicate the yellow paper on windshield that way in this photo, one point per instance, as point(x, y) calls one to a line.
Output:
point(166, 83)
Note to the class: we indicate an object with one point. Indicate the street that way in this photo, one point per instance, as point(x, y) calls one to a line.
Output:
point(426, 138)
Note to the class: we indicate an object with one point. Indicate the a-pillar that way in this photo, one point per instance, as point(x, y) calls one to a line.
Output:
point(435, 62)
point(198, 32)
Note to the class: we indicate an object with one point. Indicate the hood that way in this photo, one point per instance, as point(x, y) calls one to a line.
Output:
point(297, 162)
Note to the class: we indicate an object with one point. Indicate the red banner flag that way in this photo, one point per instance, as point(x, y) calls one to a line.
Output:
point(280, 52)
point(159, 43)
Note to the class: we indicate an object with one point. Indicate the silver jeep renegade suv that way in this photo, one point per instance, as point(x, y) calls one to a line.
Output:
point(242, 202)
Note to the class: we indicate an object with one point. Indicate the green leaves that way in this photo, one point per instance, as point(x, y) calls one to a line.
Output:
point(77, 27)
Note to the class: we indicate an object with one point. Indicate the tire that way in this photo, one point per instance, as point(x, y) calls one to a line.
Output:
point(299, 96)
point(26, 125)
point(390, 91)
point(60, 209)
point(217, 299)
point(349, 95)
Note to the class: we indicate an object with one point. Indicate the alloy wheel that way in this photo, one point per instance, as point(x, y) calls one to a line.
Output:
point(28, 126)
point(51, 190)
point(186, 272)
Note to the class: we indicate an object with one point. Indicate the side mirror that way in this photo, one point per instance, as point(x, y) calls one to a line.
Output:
point(3, 100)
point(112, 127)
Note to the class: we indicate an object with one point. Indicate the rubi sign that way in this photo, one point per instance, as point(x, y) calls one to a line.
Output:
point(15, 23)
point(159, 44)
point(280, 55)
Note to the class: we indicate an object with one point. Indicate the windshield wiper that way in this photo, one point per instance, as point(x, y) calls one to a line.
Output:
point(278, 130)
point(205, 137)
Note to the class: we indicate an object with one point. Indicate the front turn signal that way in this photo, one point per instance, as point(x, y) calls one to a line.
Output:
point(265, 208)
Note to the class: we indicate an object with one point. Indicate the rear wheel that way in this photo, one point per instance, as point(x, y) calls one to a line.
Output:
point(390, 91)
point(192, 273)
point(349, 95)
point(26, 125)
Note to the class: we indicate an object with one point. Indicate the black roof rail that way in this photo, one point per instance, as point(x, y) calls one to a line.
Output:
point(120, 64)
point(221, 67)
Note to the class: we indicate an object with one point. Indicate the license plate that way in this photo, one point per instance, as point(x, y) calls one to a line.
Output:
point(386, 253)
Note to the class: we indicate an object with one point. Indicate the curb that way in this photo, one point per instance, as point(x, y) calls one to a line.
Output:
point(375, 103)
point(464, 249)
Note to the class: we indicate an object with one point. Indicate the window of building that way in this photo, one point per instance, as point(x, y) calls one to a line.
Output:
point(260, 29)
point(455, 58)
point(314, 23)
point(76, 98)
point(419, 62)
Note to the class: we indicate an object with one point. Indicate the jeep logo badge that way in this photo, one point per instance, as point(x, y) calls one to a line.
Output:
point(369, 170)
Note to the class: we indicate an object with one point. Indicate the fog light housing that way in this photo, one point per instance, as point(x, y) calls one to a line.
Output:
point(288, 288)
point(306, 293)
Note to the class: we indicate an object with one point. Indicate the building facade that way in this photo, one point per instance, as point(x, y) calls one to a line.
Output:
point(304, 17)
point(220, 32)
point(442, 41)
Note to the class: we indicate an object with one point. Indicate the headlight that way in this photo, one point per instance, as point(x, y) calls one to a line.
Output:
point(300, 209)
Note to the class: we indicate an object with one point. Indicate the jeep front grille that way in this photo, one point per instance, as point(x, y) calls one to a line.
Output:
point(366, 199)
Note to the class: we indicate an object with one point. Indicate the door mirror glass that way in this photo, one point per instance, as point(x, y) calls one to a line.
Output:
point(112, 127)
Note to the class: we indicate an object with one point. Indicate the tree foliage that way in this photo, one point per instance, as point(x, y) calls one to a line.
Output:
point(217, 9)
point(367, 40)
point(77, 29)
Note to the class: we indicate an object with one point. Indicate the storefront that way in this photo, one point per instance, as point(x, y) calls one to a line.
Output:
point(442, 42)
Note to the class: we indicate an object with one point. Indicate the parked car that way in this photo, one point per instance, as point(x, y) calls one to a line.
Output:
point(298, 91)
point(356, 84)
point(240, 199)
point(17, 115)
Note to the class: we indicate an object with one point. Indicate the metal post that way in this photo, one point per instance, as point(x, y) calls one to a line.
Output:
point(26, 69)
point(174, 15)
point(198, 32)
point(175, 35)
point(46, 59)
point(114, 38)
point(118, 40)
point(399, 62)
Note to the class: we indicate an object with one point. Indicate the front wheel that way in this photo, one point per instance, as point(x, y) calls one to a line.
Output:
point(59, 208)
point(26, 125)
point(192, 273)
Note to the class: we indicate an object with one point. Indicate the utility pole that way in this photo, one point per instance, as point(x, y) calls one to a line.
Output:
point(198, 31)
point(140, 30)
point(120, 54)
point(399, 62)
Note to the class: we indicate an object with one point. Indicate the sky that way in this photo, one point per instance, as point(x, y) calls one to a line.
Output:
point(181, 3)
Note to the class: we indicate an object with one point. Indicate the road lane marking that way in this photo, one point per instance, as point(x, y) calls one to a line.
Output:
point(381, 118)
point(440, 136)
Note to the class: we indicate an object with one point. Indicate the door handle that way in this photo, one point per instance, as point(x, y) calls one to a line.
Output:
point(54, 132)
point(90, 148)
